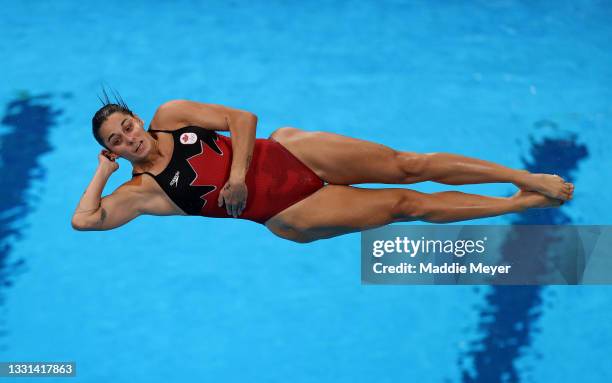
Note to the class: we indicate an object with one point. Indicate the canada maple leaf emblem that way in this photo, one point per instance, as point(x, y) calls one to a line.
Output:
point(208, 147)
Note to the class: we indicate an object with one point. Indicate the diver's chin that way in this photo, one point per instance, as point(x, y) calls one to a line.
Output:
point(138, 157)
point(138, 152)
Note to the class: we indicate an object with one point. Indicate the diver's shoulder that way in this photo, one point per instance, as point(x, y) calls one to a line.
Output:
point(142, 184)
point(146, 193)
point(169, 116)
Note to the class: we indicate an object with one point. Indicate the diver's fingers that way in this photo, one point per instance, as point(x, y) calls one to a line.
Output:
point(242, 207)
point(220, 199)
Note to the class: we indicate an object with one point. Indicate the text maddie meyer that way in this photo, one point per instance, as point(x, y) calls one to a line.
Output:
point(445, 268)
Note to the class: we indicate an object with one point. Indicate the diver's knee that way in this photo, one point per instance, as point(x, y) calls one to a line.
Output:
point(409, 204)
point(412, 164)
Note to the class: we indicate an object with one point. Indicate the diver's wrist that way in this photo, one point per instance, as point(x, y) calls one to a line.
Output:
point(236, 176)
point(104, 171)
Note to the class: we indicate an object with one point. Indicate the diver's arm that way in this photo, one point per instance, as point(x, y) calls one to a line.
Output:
point(115, 210)
point(95, 213)
point(242, 134)
point(90, 201)
point(240, 123)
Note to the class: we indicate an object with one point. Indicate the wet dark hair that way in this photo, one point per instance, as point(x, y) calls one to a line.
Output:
point(105, 111)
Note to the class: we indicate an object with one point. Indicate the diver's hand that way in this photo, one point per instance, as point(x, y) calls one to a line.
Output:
point(106, 161)
point(234, 194)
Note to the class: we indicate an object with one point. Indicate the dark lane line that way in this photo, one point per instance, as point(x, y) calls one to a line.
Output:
point(509, 317)
point(28, 121)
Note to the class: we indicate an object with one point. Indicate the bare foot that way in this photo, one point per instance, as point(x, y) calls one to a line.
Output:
point(550, 185)
point(530, 199)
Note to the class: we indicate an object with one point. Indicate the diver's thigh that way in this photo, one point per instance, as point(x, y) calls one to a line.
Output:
point(344, 160)
point(335, 210)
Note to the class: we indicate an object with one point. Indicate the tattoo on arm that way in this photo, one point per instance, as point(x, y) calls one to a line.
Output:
point(102, 215)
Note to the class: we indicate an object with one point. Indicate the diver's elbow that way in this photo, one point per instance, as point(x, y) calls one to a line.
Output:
point(81, 225)
point(78, 226)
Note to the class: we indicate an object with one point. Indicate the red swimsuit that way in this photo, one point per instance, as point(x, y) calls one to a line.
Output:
point(200, 166)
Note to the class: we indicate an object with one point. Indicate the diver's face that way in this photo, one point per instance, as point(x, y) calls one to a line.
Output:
point(125, 136)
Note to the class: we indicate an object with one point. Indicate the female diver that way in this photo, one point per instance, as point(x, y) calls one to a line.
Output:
point(295, 182)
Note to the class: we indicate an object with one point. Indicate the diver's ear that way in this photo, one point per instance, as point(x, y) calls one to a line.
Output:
point(110, 155)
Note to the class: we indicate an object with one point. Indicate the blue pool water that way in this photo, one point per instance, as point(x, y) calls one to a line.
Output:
point(525, 84)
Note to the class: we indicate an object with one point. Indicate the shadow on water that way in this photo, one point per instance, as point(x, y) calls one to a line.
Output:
point(509, 315)
point(24, 139)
